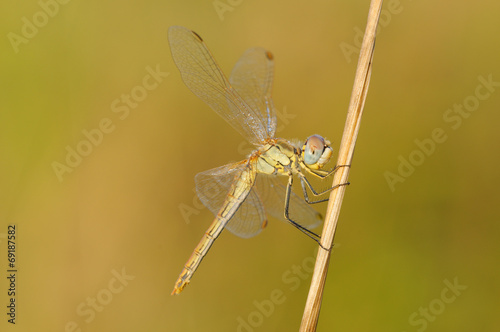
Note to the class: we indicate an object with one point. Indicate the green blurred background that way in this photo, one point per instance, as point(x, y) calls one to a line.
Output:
point(418, 254)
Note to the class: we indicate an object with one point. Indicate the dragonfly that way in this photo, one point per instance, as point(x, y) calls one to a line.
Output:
point(242, 194)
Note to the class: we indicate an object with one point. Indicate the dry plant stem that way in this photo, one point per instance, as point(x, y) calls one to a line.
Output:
point(346, 151)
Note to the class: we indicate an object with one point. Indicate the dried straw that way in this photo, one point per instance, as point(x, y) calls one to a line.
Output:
point(346, 151)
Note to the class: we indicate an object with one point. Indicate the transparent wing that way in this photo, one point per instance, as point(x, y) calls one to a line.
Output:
point(250, 219)
point(252, 77)
point(206, 80)
point(272, 190)
point(212, 187)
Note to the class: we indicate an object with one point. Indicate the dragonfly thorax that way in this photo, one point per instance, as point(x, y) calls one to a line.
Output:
point(280, 157)
point(277, 157)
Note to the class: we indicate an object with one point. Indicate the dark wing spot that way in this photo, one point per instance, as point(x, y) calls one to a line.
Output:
point(197, 36)
point(264, 223)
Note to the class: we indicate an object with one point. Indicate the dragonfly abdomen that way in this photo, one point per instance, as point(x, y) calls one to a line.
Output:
point(237, 194)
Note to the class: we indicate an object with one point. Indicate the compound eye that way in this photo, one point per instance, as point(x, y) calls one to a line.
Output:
point(313, 149)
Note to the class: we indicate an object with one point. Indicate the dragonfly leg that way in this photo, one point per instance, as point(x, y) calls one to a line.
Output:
point(324, 174)
point(304, 230)
point(304, 182)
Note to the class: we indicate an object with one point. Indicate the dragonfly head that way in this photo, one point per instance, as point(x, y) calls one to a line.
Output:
point(316, 152)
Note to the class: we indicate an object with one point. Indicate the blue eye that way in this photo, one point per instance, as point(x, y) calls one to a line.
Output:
point(313, 149)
